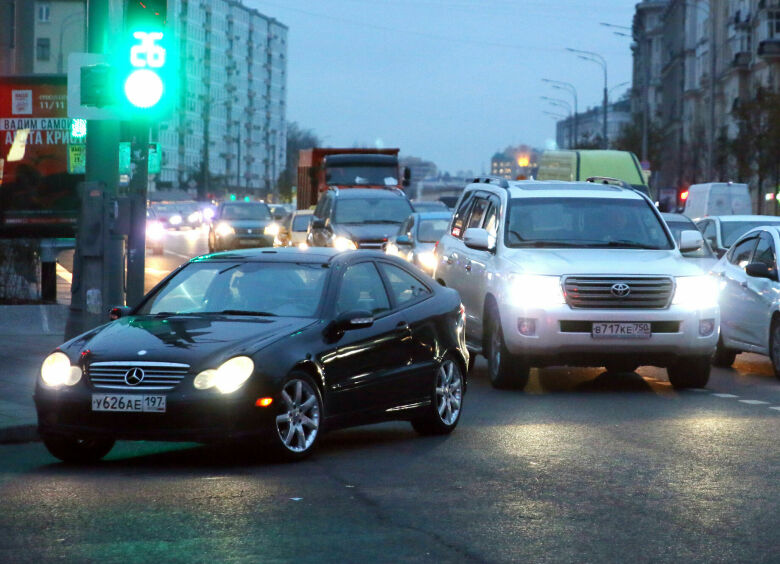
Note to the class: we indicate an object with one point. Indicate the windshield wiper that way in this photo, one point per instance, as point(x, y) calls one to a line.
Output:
point(550, 243)
point(626, 244)
point(246, 312)
point(382, 221)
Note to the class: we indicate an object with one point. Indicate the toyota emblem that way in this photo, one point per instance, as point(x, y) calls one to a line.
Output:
point(620, 290)
point(134, 376)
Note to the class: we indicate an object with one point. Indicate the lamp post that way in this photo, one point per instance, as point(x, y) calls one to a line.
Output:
point(562, 104)
point(598, 59)
point(561, 85)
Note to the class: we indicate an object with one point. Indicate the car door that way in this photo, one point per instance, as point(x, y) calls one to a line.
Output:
point(450, 250)
point(410, 297)
point(734, 295)
point(759, 295)
point(365, 365)
point(320, 236)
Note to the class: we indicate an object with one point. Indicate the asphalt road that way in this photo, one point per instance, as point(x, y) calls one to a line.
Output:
point(581, 467)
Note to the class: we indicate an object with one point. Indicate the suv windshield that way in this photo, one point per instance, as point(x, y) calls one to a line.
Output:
point(240, 288)
point(584, 222)
point(246, 211)
point(377, 175)
point(372, 210)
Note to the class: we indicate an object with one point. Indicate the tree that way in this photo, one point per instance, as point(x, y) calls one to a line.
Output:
point(630, 139)
point(297, 139)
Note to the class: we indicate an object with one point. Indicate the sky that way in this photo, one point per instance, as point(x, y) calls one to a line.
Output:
point(451, 81)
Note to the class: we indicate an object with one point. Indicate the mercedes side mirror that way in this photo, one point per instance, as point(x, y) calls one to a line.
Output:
point(119, 311)
point(760, 270)
point(476, 238)
point(317, 223)
point(349, 321)
point(690, 240)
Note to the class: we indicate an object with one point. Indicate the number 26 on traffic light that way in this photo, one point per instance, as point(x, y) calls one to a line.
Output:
point(147, 53)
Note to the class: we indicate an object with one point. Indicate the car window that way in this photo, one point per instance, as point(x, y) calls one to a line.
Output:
point(740, 253)
point(461, 215)
point(765, 251)
point(491, 217)
point(732, 230)
point(478, 213)
point(301, 222)
point(431, 230)
point(403, 286)
point(362, 290)
point(368, 209)
point(245, 211)
point(708, 230)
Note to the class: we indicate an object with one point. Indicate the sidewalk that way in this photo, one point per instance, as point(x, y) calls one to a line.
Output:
point(27, 335)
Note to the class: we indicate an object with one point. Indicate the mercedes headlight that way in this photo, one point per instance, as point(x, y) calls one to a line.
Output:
point(56, 371)
point(696, 292)
point(535, 291)
point(271, 229)
point(427, 260)
point(175, 219)
point(225, 230)
point(230, 376)
point(343, 243)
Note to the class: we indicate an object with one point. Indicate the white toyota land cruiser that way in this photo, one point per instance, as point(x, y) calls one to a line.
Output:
point(579, 274)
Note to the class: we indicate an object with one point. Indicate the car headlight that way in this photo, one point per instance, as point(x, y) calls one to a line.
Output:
point(229, 377)
point(535, 291)
point(208, 213)
point(696, 292)
point(194, 217)
point(271, 229)
point(155, 231)
point(427, 260)
point(391, 249)
point(175, 219)
point(56, 371)
point(343, 243)
point(225, 230)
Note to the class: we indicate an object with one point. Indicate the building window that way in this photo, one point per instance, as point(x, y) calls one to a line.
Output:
point(42, 49)
point(44, 11)
point(773, 22)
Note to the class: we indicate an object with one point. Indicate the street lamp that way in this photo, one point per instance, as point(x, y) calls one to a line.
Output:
point(561, 85)
point(562, 104)
point(598, 59)
point(618, 86)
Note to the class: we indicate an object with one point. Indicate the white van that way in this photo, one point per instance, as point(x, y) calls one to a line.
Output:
point(717, 198)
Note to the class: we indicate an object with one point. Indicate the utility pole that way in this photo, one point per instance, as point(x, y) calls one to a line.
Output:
point(138, 132)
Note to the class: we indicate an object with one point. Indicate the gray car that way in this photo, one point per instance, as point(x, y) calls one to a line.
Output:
point(417, 238)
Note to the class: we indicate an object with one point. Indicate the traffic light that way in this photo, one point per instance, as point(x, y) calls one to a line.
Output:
point(146, 67)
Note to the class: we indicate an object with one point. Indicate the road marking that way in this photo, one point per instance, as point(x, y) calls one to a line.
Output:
point(775, 407)
point(44, 320)
point(64, 273)
point(177, 254)
point(698, 390)
point(725, 396)
point(754, 402)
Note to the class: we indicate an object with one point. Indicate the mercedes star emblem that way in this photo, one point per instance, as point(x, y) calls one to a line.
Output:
point(134, 376)
point(620, 290)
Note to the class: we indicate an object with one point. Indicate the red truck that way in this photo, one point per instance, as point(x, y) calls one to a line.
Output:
point(320, 168)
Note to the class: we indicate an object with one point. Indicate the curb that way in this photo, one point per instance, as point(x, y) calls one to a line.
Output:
point(19, 434)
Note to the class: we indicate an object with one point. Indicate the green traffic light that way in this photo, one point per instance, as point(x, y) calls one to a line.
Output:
point(232, 197)
point(143, 88)
point(246, 198)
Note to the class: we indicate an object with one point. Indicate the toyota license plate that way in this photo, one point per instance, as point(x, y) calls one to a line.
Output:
point(128, 403)
point(621, 331)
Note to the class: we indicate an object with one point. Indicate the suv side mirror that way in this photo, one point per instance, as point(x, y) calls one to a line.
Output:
point(403, 240)
point(690, 240)
point(760, 270)
point(476, 238)
point(317, 223)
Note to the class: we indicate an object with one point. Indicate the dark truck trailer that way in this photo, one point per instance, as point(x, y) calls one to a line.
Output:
point(320, 168)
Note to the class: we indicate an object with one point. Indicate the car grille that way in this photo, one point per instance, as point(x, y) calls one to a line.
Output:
point(596, 292)
point(156, 375)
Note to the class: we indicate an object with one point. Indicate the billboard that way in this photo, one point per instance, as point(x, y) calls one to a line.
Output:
point(38, 196)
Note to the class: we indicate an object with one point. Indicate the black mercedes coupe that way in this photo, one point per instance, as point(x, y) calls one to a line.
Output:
point(271, 346)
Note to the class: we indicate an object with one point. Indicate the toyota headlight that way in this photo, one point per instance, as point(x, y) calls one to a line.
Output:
point(225, 230)
point(56, 371)
point(535, 291)
point(271, 229)
point(343, 243)
point(696, 292)
point(230, 376)
point(427, 260)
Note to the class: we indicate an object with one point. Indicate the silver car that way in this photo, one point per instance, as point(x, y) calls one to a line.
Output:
point(577, 273)
point(703, 256)
point(750, 297)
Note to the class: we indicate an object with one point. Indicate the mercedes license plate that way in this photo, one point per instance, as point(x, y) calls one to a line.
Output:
point(621, 330)
point(128, 403)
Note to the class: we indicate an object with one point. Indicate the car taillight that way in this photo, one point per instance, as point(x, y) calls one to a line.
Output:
point(463, 313)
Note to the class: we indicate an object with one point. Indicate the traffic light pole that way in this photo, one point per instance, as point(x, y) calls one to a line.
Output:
point(136, 243)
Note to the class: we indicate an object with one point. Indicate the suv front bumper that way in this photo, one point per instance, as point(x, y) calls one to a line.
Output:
point(562, 335)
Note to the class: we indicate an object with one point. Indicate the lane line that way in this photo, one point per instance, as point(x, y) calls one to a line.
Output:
point(174, 253)
point(698, 390)
point(754, 402)
point(725, 396)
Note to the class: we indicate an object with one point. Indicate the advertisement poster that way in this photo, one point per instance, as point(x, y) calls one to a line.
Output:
point(38, 196)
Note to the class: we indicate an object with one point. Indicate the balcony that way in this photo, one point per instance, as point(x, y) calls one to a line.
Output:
point(741, 60)
point(769, 48)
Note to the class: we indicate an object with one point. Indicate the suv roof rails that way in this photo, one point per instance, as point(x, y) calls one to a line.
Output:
point(502, 182)
point(609, 180)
